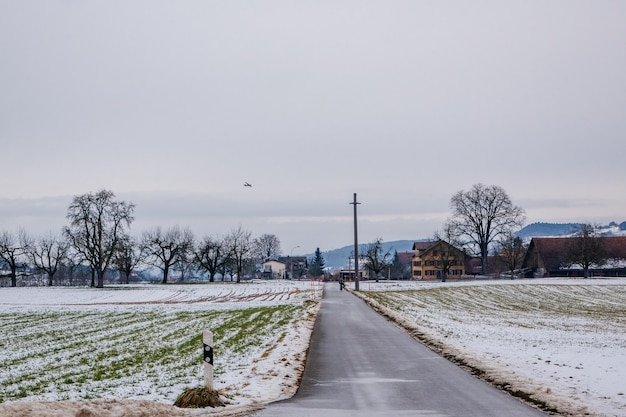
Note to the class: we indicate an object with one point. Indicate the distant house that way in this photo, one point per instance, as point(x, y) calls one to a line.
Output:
point(348, 275)
point(547, 257)
point(295, 266)
point(437, 259)
point(273, 270)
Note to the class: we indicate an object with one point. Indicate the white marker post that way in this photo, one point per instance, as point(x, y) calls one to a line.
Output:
point(208, 359)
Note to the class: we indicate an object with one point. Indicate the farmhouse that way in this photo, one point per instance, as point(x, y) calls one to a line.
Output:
point(547, 257)
point(437, 259)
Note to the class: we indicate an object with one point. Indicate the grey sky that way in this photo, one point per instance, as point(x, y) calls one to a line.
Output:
point(173, 105)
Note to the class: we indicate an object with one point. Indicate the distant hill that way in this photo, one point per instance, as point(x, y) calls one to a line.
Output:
point(567, 229)
point(548, 229)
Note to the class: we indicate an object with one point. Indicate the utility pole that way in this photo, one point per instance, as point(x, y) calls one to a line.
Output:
point(356, 248)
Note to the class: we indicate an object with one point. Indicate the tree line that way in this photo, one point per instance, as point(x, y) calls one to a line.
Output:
point(483, 222)
point(97, 238)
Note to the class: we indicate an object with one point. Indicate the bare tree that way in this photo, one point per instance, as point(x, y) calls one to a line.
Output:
point(12, 252)
point(586, 249)
point(511, 251)
point(481, 215)
point(239, 243)
point(97, 222)
point(375, 258)
point(48, 254)
point(185, 262)
point(211, 255)
point(128, 256)
point(68, 268)
point(229, 268)
point(76, 260)
point(266, 247)
point(165, 250)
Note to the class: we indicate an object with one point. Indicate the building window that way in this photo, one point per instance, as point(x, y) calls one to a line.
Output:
point(417, 273)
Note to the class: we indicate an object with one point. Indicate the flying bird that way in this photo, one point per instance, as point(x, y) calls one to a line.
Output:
point(247, 184)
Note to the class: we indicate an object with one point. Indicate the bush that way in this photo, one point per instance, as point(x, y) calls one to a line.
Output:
point(199, 398)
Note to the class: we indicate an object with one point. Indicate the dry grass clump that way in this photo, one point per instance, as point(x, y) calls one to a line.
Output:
point(199, 398)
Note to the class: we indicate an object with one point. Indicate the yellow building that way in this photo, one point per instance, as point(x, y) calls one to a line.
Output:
point(437, 260)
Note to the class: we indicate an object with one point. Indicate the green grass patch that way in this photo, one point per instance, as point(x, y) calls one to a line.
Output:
point(82, 355)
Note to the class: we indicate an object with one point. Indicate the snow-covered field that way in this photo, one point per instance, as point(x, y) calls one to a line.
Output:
point(129, 351)
point(563, 340)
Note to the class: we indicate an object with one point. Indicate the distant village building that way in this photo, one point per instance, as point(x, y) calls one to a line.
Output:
point(347, 275)
point(274, 270)
point(285, 267)
point(437, 260)
point(547, 257)
point(296, 267)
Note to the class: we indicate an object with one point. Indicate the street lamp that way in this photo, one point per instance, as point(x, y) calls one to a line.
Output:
point(291, 259)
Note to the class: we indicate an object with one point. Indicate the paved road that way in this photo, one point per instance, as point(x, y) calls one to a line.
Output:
point(362, 365)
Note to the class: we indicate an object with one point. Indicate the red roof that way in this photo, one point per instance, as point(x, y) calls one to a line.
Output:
point(423, 245)
point(405, 257)
point(614, 247)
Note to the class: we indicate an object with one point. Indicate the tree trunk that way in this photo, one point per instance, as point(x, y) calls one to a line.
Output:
point(100, 279)
point(13, 275)
point(483, 262)
point(166, 271)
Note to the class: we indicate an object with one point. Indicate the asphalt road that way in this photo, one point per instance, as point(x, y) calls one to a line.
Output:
point(360, 364)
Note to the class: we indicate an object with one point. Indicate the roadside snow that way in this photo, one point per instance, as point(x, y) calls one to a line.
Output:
point(563, 340)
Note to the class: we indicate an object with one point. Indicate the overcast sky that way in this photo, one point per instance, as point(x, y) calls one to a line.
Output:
point(173, 105)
